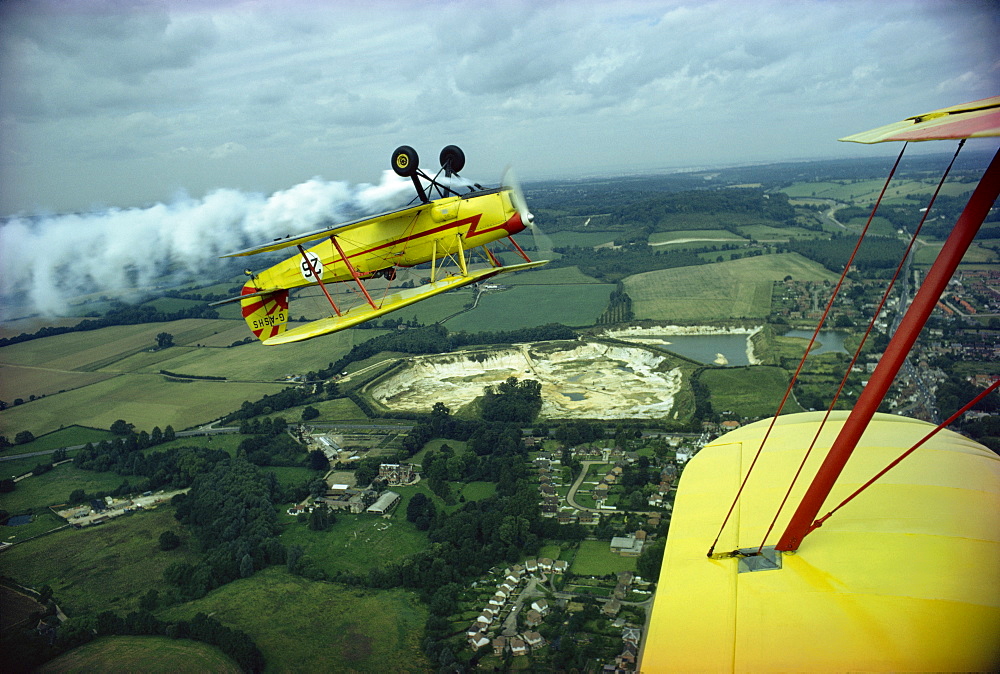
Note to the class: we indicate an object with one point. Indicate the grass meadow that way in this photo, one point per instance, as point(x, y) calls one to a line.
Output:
point(302, 625)
point(106, 567)
point(717, 291)
point(580, 239)
point(594, 558)
point(153, 655)
point(525, 306)
point(356, 543)
point(748, 391)
point(55, 486)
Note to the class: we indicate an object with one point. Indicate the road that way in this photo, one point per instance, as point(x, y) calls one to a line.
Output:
point(570, 497)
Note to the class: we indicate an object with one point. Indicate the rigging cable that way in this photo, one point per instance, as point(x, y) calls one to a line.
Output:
point(864, 338)
point(969, 405)
point(805, 355)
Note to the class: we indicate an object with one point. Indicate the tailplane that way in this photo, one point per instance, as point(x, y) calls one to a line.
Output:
point(266, 313)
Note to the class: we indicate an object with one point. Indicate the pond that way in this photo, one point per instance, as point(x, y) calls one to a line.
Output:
point(706, 348)
point(827, 341)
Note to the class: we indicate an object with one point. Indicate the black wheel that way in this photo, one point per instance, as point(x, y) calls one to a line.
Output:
point(452, 159)
point(405, 161)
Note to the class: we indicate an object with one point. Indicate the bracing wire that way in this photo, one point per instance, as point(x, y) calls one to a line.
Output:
point(805, 355)
point(864, 338)
point(947, 422)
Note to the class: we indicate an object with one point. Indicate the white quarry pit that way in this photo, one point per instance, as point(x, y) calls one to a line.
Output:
point(579, 380)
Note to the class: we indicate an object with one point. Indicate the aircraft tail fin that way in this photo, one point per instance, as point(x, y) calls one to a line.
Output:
point(266, 314)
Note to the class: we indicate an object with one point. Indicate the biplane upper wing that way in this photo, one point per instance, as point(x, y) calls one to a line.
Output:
point(978, 119)
point(397, 300)
point(298, 239)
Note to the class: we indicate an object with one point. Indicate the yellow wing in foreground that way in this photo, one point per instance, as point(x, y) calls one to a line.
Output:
point(906, 577)
point(398, 300)
point(978, 119)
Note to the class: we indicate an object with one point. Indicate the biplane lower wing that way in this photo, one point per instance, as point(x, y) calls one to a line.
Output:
point(392, 302)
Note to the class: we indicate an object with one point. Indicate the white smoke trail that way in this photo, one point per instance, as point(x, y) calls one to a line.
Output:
point(47, 261)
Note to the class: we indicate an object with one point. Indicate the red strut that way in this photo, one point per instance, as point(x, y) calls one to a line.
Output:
point(895, 354)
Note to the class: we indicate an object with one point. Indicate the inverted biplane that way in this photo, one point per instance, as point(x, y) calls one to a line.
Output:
point(448, 227)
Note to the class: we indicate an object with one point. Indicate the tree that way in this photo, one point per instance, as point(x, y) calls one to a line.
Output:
point(24, 437)
point(169, 540)
point(309, 413)
point(77, 496)
point(7, 485)
point(318, 460)
point(149, 601)
point(164, 340)
point(122, 427)
point(168, 434)
point(246, 566)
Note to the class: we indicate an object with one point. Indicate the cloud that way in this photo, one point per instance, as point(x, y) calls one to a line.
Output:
point(278, 92)
point(48, 261)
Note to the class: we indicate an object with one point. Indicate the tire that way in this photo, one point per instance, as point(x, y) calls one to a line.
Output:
point(452, 159)
point(405, 161)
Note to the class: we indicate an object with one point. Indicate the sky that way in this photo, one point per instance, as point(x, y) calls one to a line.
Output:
point(138, 137)
point(118, 104)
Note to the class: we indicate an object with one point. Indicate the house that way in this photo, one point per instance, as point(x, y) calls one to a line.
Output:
point(545, 564)
point(518, 647)
point(485, 619)
point(628, 655)
point(626, 546)
point(498, 600)
point(479, 641)
point(564, 517)
point(600, 491)
point(499, 645)
point(541, 605)
point(611, 608)
point(531, 565)
point(533, 618)
point(534, 639)
point(560, 566)
point(632, 635)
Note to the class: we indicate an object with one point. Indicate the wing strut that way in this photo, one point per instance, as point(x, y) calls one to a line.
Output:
point(354, 272)
point(317, 274)
point(519, 251)
point(935, 282)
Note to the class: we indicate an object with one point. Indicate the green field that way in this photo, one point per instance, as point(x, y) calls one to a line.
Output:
point(580, 239)
point(356, 543)
point(864, 192)
point(596, 559)
point(102, 568)
point(142, 654)
point(65, 437)
point(55, 486)
point(769, 233)
point(748, 391)
point(527, 306)
point(718, 291)
point(980, 252)
point(302, 626)
point(143, 400)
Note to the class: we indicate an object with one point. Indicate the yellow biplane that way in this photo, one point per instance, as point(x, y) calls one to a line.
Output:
point(449, 226)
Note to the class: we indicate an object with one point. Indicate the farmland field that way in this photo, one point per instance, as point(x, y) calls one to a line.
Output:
point(143, 654)
point(528, 306)
point(309, 626)
point(102, 568)
point(23, 382)
point(718, 291)
point(978, 253)
point(580, 239)
point(144, 400)
point(769, 233)
point(866, 191)
point(748, 392)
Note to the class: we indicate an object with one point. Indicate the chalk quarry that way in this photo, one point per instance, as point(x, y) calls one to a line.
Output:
point(579, 380)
